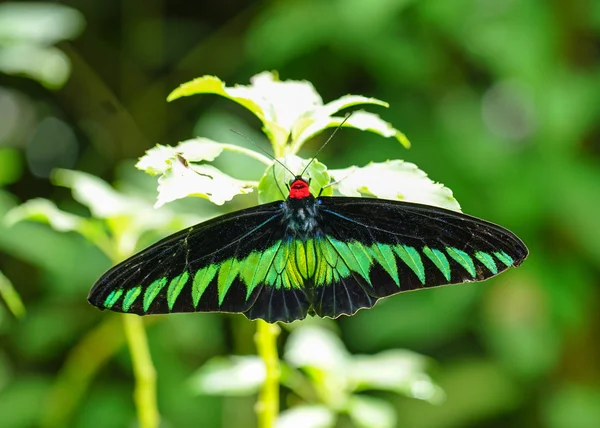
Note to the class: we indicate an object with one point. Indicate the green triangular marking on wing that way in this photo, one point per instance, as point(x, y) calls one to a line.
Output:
point(202, 280)
point(248, 269)
point(462, 259)
point(130, 297)
point(487, 261)
point(439, 260)
point(175, 287)
point(504, 258)
point(152, 291)
point(353, 254)
point(363, 258)
point(112, 298)
point(412, 258)
point(228, 271)
point(384, 255)
point(311, 258)
point(264, 272)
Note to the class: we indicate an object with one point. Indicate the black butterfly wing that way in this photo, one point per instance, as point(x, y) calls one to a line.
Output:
point(233, 263)
point(378, 248)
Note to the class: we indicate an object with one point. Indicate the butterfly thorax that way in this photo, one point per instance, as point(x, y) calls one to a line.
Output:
point(301, 217)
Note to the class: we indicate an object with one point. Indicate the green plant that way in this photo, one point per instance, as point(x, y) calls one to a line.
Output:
point(291, 113)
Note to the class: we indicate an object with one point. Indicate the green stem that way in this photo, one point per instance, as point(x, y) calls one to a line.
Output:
point(81, 365)
point(11, 297)
point(143, 369)
point(267, 407)
point(144, 372)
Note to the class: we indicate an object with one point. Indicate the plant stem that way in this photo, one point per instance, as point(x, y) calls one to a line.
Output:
point(144, 372)
point(267, 407)
point(82, 363)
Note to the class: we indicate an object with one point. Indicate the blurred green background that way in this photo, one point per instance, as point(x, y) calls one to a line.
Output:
point(500, 99)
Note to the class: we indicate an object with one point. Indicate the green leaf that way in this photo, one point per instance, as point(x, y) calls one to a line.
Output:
point(11, 297)
point(270, 100)
point(231, 376)
point(96, 194)
point(323, 113)
point(396, 180)
point(274, 184)
point(371, 412)
point(182, 179)
point(395, 370)
point(11, 165)
point(25, 60)
point(362, 120)
point(254, 97)
point(157, 159)
point(38, 23)
point(306, 416)
point(45, 211)
point(214, 85)
point(312, 346)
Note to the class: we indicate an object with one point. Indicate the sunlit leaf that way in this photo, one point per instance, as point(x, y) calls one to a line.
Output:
point(39, 23)
point(274, 184)
point(45, 211)
point(362, 120)
point(231, 376)
point(11, 297)
point(312, 346)
point(306, 416)
point(371, 412)
point(394, 370)
point(96, 194)
point(290, 108)
point(277, 104)
point(46, 64)
point(182, 180)
point(214, 85)
point(157, 159)
point(394, 179)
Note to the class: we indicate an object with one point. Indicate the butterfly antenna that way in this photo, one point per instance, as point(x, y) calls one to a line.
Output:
point(328, 140)
point(277, 182)
point(264, 151)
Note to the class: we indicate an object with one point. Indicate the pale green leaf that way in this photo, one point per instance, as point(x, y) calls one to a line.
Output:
point(157, 159)
point(38, 23)
point(181, 180)
point(45, 64)
point(362, 120)
point(274, 184)
point(44, 211)
point(321, 114)
point(371, 412)
point(95, 193)
point(214, 85)
point(277, 104)
point(306, 416)
point(11, 297)
point(312, 346)
point(230, 376)
point(396, 180)
point(400, 371)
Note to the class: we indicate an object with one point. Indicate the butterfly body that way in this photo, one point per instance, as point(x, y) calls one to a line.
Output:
point(327, 256)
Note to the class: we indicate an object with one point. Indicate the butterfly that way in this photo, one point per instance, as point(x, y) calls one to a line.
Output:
point(319, 255)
